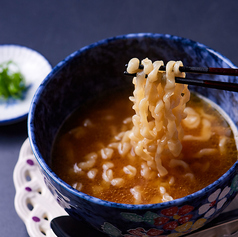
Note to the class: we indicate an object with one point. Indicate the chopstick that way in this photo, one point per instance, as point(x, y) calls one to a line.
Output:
point(207, 70)
point(203, 70)
point(200, 82)
point(228, 86)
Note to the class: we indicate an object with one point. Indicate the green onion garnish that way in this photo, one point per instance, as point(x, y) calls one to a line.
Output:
point(12, 82)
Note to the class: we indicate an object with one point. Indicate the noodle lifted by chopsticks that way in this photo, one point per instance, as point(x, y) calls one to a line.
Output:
point(159, 105)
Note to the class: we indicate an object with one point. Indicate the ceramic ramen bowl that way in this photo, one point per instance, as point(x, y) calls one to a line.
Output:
point(99, 67)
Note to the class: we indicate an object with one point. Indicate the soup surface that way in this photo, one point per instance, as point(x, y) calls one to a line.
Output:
point(87, 153)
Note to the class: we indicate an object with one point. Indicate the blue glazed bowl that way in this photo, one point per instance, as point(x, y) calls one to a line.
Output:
point(99, 67)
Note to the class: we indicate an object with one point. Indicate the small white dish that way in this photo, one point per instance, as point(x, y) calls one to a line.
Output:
point(34, 68)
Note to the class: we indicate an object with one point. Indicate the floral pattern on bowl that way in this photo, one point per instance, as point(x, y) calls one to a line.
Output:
point(177, 220)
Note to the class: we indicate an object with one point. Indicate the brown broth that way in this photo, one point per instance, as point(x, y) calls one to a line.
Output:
point(107, 116)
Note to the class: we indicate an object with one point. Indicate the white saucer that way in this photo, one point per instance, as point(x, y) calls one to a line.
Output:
point(34, 68)
point(34, 203)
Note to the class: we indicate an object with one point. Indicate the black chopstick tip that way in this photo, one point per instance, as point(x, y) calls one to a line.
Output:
point(129, 74)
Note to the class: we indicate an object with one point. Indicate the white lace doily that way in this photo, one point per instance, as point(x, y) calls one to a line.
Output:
point(34, 203)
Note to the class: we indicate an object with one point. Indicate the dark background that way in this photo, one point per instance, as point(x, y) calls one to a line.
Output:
point(56, 28)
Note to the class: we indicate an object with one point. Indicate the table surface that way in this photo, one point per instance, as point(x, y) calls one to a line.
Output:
point(56, 28)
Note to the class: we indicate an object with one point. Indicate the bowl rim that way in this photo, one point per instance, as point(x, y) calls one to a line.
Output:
point(78, 194)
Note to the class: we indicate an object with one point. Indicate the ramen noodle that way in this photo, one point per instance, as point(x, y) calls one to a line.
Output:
point(156, 146)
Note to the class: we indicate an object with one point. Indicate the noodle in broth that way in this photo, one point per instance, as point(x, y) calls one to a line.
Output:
point(168, 146)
